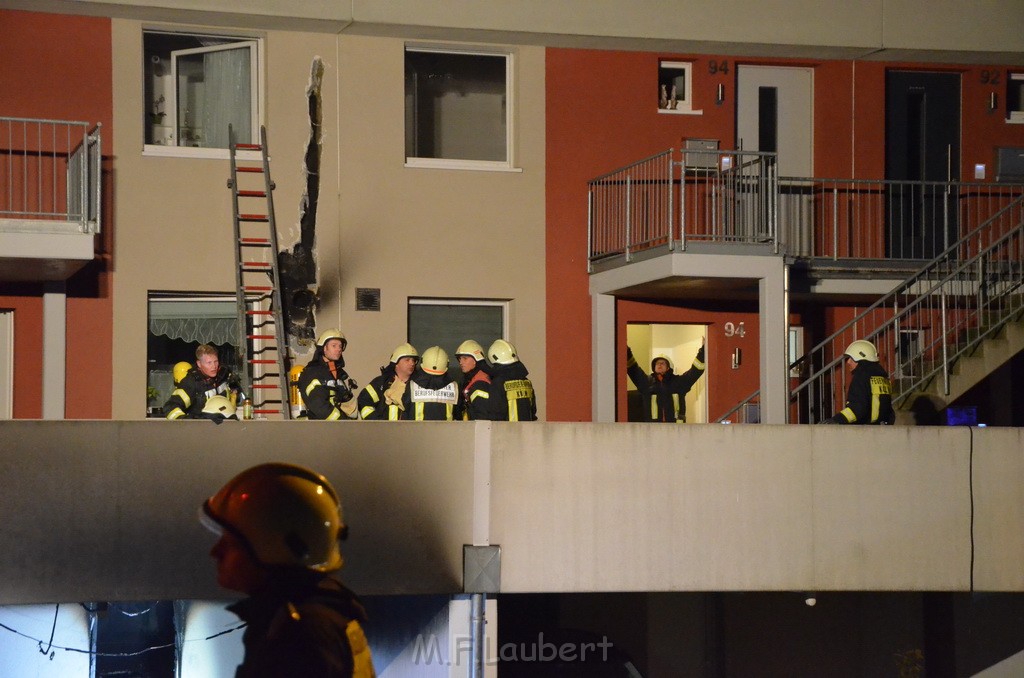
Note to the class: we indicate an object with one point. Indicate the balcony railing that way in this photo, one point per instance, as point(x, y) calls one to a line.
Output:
point(50, 174)
point(675, 198)
point(944, 311)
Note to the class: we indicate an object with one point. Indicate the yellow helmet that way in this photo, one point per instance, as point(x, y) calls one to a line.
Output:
point(502, 352)
point(862, 350)
point(470, 348)
point(434, 361)
point(405, 351)
point(333, 333)
point(285, 514)
point(180, 370)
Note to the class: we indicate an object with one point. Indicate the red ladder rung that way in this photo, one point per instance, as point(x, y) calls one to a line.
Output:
point(266, 411)
point(254, 241)
point(253, 217)
point(264, 386)
point(259, 264)
point(249, 169)
point(261, 336)
point(262, 361)
point(260, 312)
point(247, 147)
point(252, 194)
point(256, 288)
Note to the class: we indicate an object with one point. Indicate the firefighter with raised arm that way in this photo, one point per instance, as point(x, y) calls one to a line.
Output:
point(663, 391)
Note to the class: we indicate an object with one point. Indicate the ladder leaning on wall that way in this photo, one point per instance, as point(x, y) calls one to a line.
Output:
point(262, 344)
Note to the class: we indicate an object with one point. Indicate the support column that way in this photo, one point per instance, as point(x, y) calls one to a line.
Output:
point(602, 355)
point(54, 349)
point(773, 310)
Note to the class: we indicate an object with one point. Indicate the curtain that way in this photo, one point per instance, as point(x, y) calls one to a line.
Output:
point(206, 322)
point(227, 96)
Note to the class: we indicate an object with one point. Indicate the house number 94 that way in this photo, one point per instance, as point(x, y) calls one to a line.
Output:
point(735, 330)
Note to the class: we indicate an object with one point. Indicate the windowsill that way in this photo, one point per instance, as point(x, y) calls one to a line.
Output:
point(158, 151)
point(473, 165)
point(680, 111)
point(1016, 118)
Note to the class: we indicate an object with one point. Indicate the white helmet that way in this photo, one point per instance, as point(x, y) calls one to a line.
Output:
point(219, 406)
point(434, 361)
point(285, 514)
point(502, 352)
point(862, 350)
point(667, 360)
point(333, 333)
point(470, 348)
point(405, 351)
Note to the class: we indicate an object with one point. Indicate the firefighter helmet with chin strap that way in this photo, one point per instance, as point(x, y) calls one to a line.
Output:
point(404, 351)
point(333, 333)
point(219, 405)
point(862, 350)
point(472, 349)
point(434, 361)
point(285, 515)
point(502, 352)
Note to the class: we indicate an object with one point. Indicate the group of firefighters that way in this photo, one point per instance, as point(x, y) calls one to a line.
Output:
point(494, 386)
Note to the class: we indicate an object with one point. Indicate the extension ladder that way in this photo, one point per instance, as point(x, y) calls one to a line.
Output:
point(262, 345)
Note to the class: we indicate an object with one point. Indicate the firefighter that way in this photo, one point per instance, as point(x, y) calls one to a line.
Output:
point(206, 380)
point(510, 395)
point(280, 527)
point(869, 398)
point(476, 381)
point(179, 371)
point(433, 393)
point(326, 388)
point(387, 396)
point(663, 392)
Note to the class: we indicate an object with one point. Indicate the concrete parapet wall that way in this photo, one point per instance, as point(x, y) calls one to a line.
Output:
point(107, 510)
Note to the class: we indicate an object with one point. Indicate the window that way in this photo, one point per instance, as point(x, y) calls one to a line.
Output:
point(449, 322)
point(458, 108)
point(675, 88)
point(1015, 97)
point(197, 85)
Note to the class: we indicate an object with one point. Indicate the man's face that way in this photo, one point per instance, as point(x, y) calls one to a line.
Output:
point(660, 366)
point(333, 349)
point(404, 367)
point(851, 364)
point(467, 363)
point(208, 365)
point(236, 569)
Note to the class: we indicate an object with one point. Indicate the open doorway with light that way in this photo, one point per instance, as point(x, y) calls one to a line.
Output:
point(679, 343)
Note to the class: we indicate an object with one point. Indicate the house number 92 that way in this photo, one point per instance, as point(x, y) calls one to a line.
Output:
point(735, 330)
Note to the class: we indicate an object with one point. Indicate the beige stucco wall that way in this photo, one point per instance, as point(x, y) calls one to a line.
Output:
point(410, 232)
point(107, 510)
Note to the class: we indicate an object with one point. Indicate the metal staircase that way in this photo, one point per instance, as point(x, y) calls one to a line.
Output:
point(262, 343)
point(935, 330)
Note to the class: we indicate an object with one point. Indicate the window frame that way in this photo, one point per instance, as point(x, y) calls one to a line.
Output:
point(504, 305)
point(1014, 117)
point(257, 77)
point(685, 102)
point(507, 165)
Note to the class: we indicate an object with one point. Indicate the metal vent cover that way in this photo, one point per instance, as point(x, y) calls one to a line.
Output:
point(367, 298)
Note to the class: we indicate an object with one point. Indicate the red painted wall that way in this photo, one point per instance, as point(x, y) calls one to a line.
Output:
point(602, 115)
point(60, 67)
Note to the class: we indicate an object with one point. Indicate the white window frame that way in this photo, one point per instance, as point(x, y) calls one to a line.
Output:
point(684, 100)
point(1015, 117)
point(257, 78)
point(507, 165)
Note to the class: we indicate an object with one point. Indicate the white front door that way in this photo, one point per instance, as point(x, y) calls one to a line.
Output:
point(775, 112)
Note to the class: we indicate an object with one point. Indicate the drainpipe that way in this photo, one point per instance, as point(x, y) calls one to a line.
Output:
point(477, 645)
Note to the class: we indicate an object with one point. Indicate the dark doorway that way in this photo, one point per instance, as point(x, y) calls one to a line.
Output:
point(922, 146)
